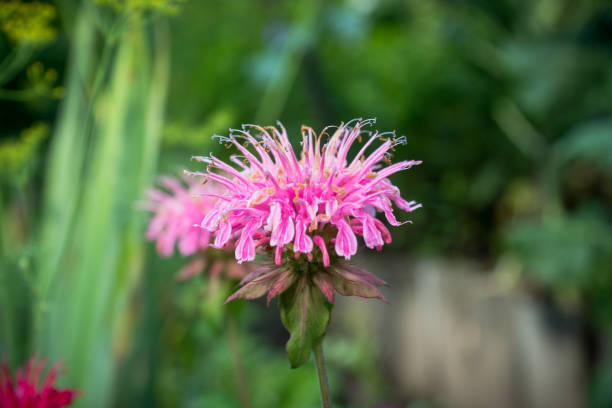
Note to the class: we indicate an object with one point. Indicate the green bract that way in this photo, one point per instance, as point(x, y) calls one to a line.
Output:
point(305, 313)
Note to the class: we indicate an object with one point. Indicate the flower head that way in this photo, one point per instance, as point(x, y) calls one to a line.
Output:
point(177, 209)
point(29, 391)
point(307, 210)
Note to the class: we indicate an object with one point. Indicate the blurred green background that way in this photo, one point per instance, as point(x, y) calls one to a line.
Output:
point(508, 103)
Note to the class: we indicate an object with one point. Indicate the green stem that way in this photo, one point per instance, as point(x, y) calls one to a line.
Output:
point(232, 332)
point(322, 373)
point(22, 95)
point(6, 315)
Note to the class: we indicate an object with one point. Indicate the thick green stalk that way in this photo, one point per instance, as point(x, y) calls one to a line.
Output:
point(113, 116)
point(322, 373)
point(63, 175)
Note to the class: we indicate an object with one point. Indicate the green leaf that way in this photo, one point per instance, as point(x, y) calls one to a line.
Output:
point(305, 313)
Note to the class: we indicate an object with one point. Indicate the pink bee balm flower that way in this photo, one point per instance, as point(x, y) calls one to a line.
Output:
point(306, 210)
point(28, 391)
point(176, 212)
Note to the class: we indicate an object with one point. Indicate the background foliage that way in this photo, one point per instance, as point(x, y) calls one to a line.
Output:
point(508, 104)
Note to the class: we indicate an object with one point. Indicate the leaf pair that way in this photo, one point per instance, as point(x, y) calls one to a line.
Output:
point(307, 297)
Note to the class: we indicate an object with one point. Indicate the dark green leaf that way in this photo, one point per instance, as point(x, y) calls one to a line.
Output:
point(305, 313)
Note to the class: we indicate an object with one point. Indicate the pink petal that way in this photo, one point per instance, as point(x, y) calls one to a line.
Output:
point(331, 207)
point(274, 218)
point(211, 220)
point(390, 216)
point(371, 234)
point(223, 235)
point(204, 238)
point(283, 233)
point(156, 226)
point(245, 249)
point(405, 205)
point(165, 245)
point(384, 231)
point(303, 242)
point(321, 244)
point(189, 242)
point(346, 241)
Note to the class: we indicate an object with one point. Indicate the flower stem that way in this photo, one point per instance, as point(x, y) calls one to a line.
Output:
point(322, 373)
point(232, 332)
